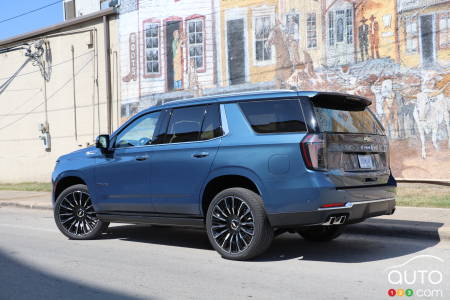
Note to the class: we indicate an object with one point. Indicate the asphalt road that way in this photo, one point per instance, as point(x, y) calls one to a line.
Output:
point(143, 262)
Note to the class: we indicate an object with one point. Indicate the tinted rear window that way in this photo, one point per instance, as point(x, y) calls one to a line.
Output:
point(274, 116)
point(345, 121)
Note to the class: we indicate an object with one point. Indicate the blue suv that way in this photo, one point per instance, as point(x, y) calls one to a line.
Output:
point(246, 167)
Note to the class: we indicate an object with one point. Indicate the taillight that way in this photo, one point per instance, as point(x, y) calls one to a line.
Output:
point(331, 205)
point(388, 156)
point(313, 151)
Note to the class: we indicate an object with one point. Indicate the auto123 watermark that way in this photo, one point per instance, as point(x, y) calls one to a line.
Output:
point(420, 276)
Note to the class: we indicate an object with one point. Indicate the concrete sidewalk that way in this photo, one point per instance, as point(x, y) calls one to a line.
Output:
point(39, 200)
point(431, 223)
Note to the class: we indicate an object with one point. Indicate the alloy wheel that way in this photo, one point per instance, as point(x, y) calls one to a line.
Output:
point(233, 225)
point(76, 213)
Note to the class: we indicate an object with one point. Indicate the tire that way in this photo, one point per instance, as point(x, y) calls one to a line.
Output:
point(75, 216)
point(322, 234)
point(237, 225)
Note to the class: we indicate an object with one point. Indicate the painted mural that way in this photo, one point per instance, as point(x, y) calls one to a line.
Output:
point(395, 52)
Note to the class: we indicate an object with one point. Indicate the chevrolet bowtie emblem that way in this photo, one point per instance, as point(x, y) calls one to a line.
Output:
point(367, 139)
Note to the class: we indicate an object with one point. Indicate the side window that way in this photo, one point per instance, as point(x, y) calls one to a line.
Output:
point(211, 125)
point(185, 124)
point(160, 136)
point(274, 116)
point(138, 133)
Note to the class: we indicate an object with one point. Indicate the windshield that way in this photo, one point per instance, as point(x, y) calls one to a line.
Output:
point(343, 121)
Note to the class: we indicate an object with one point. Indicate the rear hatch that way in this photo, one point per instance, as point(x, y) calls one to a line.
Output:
point(349, 141)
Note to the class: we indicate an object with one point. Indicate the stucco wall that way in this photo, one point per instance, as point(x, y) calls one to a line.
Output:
point(22, 109)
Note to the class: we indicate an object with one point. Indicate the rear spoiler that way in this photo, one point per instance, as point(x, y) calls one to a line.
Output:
point(340, 101)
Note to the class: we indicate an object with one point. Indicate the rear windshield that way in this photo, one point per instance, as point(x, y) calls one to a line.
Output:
point(274, 116)
point(345, 121)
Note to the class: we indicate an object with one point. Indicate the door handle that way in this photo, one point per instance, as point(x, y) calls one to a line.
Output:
point(141, 158)
point(200, 155)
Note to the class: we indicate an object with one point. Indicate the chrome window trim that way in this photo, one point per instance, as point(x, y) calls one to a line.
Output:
point(223, 120)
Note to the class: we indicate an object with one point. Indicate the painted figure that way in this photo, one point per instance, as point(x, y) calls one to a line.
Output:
point(374, 37)
point(177, 50)
point(363, 32)
point(283, 58)
point(432, 111)
point(389, 108)
point(194, 84)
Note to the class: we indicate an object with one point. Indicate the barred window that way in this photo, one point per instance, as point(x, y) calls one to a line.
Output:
point(196, 45)
point(151, 48)
point(444, 30)
point(292, 26)
point(331, 28)
point(340, 29)
point(262, 31)
point(411, 34)
point(311, 30)
point(349, 23)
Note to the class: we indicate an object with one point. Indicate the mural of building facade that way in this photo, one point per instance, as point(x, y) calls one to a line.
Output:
point(395, 52)
point(168, 51)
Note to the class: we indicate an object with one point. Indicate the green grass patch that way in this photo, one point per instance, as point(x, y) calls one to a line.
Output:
point(423, 195)
point(27, 186)
point(408, 194)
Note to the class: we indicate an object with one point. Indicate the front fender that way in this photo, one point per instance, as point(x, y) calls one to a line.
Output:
point(70, 173)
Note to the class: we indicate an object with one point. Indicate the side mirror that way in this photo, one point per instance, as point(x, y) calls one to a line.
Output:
point(102, 142)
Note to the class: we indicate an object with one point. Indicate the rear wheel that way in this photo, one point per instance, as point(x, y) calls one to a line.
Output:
point(322, 234)
point(75, 215)
point(237, 224)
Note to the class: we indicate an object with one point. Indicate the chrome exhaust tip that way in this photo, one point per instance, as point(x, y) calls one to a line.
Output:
point(335, 220)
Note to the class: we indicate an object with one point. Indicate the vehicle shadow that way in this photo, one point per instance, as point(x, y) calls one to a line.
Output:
point(356, 247)
point(20, 281)
point(169, 236)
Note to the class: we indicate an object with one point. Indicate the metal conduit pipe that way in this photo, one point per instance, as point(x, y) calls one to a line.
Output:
point(107, 72)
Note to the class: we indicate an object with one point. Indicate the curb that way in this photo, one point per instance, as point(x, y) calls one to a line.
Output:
point(396, 230)
point(28, 205)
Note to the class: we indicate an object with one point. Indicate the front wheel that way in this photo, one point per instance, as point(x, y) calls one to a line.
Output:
point(237, 224)
point(75, 215)
point(322, 234)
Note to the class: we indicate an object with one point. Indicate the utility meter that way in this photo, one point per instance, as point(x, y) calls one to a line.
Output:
point(45, 137)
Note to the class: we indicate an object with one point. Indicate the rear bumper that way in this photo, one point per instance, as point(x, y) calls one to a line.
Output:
point(354, 211)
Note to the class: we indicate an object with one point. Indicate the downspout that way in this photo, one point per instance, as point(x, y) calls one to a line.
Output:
point(116, 75)
point(72, 49)
point(107, 72)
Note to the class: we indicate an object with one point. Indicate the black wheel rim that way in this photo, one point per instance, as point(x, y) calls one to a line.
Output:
point(76, 213)
point(232, 225)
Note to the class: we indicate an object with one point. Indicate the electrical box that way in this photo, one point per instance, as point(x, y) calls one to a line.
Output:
point(45, 137)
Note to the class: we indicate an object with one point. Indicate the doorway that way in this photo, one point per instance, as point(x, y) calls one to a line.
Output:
point(427, 40)
point(236, 51)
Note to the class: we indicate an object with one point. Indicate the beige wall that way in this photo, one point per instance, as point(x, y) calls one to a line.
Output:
point(22, 155)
